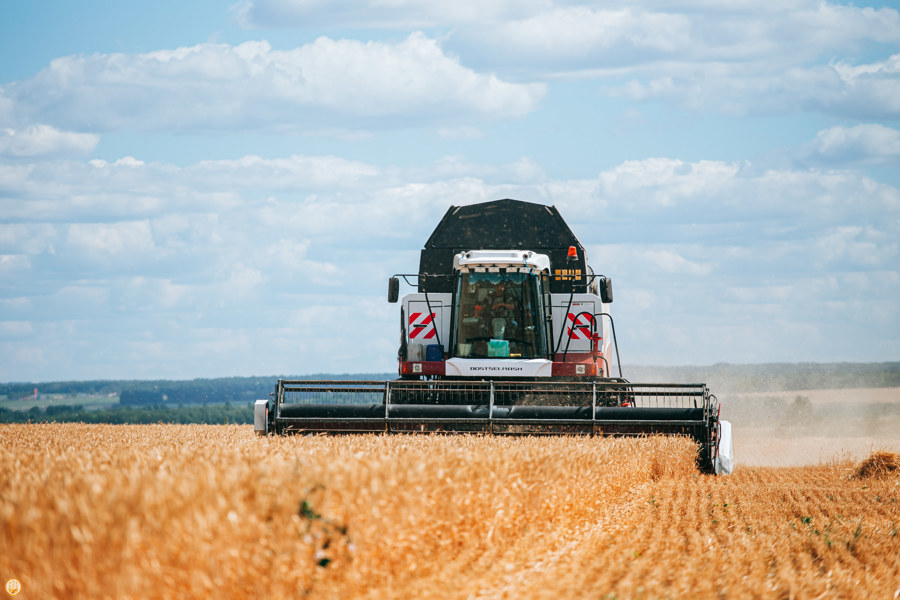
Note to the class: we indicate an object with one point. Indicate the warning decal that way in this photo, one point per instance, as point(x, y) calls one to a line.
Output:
point(581, 326)
point(421, 324)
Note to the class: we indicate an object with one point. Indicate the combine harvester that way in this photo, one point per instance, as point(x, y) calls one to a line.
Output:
point(508, 332)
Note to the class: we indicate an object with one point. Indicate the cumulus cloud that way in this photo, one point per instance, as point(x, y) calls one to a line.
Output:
point(578, 40)
point(736, 58)
point(669, 260)
point(863, 91)
point(731, 59)
point(610, 33)
point(125, 161)
point(42, 140)
point(149, 294)
point(110, 239)
point(868, 144)
point(303, 198)
point(669, 182)
point(10, 264)
point(865, 246)
point(296, 171)
point(750, 63)
point(318, 86)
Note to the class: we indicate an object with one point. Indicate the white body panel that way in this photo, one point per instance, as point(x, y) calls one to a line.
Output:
point(576, 326)
point(499, 367)
point(725, 459)
point(423, 330)
point(260, 423)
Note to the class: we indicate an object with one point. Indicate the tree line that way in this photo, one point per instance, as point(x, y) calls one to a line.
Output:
point(235, 390)
point(220, 414)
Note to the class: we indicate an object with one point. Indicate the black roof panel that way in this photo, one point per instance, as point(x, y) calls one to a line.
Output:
point(502, 224)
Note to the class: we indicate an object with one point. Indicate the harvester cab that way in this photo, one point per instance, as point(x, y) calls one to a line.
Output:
point(504, 291)
point(502, 320)
point(507, 331)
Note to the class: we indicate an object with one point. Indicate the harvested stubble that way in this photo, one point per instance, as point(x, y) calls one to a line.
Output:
point(203, 511)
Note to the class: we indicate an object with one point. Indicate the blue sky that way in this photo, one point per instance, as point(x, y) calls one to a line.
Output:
point(211, 189)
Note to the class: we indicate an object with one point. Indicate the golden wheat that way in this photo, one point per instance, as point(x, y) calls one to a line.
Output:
point(166, 511)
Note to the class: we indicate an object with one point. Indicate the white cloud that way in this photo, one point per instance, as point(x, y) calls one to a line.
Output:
point(703, 195)
point(111, 239)
point(563, 36)
point(577, 32)
point(523, 171)
point(125, 161)
point(868, 144)
point(243, 279)
point(673, 262)
point(669, 182)
point(736, 59)
point(12, 264)
point(294, 172)
point(868, 246)
point(27, 238)
point(150, 294)
point(289, 257)
point(319, 86)
point(867, 91)
point(649, 258)
point(43, 140)
point(759, 38)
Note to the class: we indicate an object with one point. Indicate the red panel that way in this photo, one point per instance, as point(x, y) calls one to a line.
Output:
point(436, 367)
point(567, 368)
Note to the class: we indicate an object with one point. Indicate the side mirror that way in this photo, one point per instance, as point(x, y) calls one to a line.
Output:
point(606, 294)
point(393, 290)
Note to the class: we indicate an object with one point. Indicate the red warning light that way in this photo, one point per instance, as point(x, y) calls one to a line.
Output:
point(573, 253)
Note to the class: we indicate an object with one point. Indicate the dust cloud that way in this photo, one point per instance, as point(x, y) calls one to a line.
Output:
point(807, 427)
point(796, 414)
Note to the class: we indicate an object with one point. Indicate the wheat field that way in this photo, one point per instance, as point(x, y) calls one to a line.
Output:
point(182, 511)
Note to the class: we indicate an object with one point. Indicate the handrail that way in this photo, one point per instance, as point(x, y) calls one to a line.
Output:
point(491, 409)
point(593, 328)
point(562, 324)
point(612, 325)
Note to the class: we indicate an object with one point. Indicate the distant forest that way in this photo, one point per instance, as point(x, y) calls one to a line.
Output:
point(212, 401)
point(230, 400)
point(234, 390)
point(222, 414)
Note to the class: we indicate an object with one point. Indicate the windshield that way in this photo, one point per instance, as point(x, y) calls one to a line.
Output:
point(499, 316)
